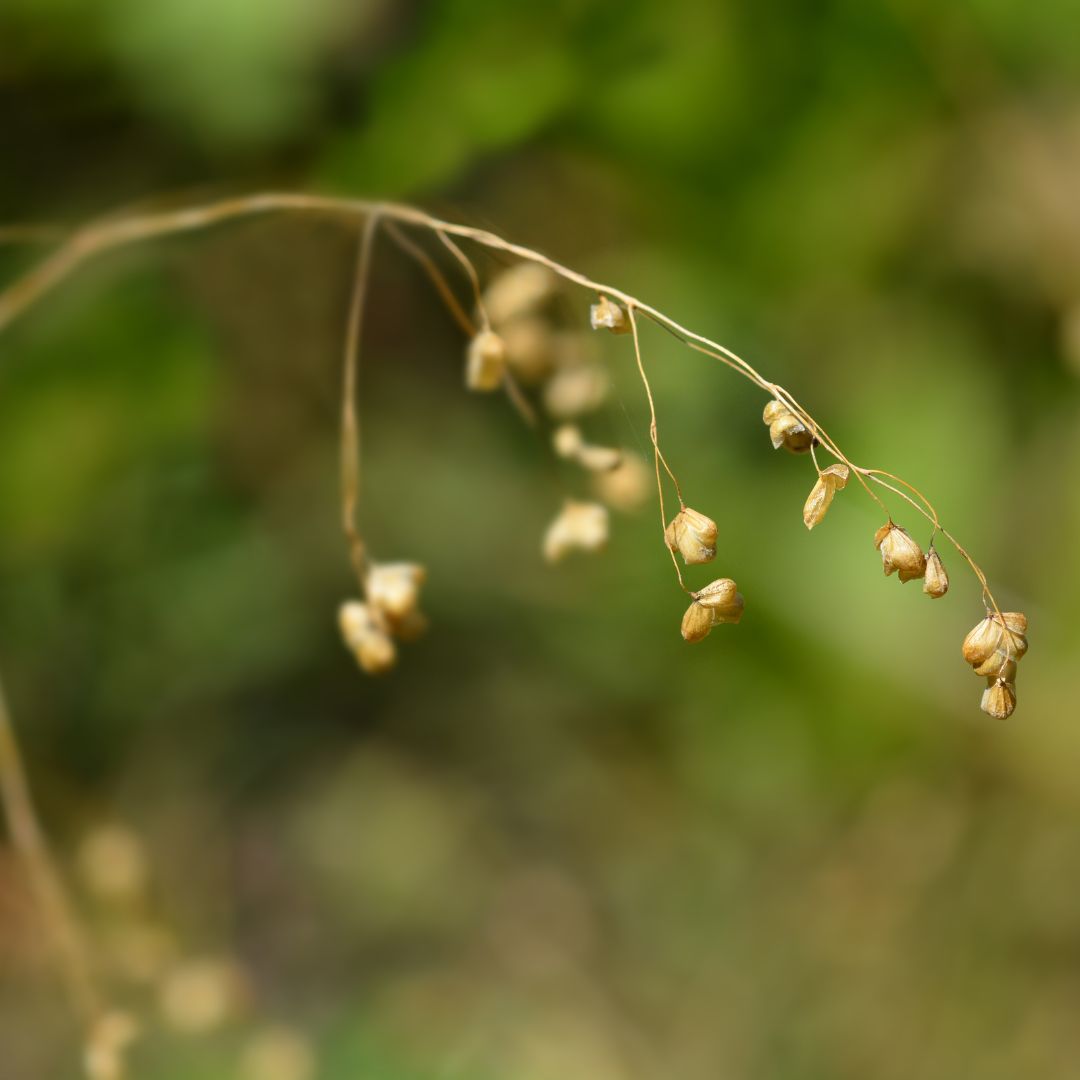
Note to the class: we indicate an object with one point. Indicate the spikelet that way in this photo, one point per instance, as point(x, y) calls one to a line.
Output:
point(692, 535)
point(829, 482)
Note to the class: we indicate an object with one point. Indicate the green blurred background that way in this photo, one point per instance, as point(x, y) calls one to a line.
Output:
point(557, 843)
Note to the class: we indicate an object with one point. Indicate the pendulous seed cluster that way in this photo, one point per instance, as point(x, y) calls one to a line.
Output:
point(993, 648)
point(389, 612)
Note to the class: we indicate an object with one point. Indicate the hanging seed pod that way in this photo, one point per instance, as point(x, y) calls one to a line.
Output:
point(394, 588)
point(365, 635)
point(485, 362)
point(605, 314)
point(696, 623)
point(1009, 634)
point(999, 699)
point(936, 583)
point(569, 443)
point(530, 349)
point(998, 665)
point(692, 535)
point(723, 599)
point(567, 440)
point(627, 486)
point(574, 391)
point(581, 526)
point(786, 429)
point(519, 290)
point(829, 482)
point(899, 552)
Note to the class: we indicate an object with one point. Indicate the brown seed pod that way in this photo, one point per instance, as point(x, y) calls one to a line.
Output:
point(579, 526)
point(485, 362)
point(998, 665)
point(394, 588)
point(936, 583)
point(696, 623)
point(365, 634)
point(899, 552)
point(829, 482)
point(723, 599)
point(990, 634)
point(999, 699)
point(692, 535)
point(605, 314)
point(786, 429)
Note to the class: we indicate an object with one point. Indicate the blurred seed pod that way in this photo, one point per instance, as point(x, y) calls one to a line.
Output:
point(829, 482)
point(999, 699)
point(580, 526)
point(723, 599)
point(899, 552)
point(692, 535)
point(936, 583)
point(519, 290)
point(200, 995)
point(627, 486)
point(696, 622)
point(366, 636)
point(574, 391)
point(110, 1036)
point(278, 1053)
point(112, 863)
point(530, 348)
point(605, 314)
point(394, 588)
point(485, 362)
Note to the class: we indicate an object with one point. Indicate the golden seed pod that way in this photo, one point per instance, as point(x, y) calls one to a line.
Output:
point(936, 583)
point(723, 599)
point(774, 410)
point(627, 486)
point(605, 314)
point(696, 623)
point(106, 1045)
point(519, 290)
point(692, 535)
point(786, 429)
point(567, 440)
point(485, 362)
point(394, 588)
point(365, 634)
point(991, 634)
point(899, 552)
point(999, 699)
point(569, 443)
point(573, 391)
point(998, 665)
point(829, 482)
point(581, 526)
point(529, 348)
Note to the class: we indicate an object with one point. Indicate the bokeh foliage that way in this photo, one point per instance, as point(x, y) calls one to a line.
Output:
point(558, 842)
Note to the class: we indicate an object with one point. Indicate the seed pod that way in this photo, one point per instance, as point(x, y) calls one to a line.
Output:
point(519, 290)
point(567, 440)
point(692, 535)
point(365, 635)
point(723, 599)
point(829, 482)
point(627, 486)
point(568, 443)
point(573, 391)
point(992, 633)
point(696, 623)
point(937, 581)
point(607, 315)
point(999, 699)
point(786, 429)
point(529, 348)
point(579, 526)
point(394, 588)
point(485, 362)
point(998, 665)
point(899, 552)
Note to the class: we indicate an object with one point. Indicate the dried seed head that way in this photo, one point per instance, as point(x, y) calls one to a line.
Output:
point(627, 486)
point(394, 588)
point(937, 581)
point(899, 552)
point(1007, 634)
point(573, 391)
point(567, 440)
point(692, 535)
point(519, 290)
point(365, 634)
point(999, 699)
point(696, 622)
point(569, 443)
point(581, 526)
point(829, 482)
point(723, 599)
point(605, 314)
point(485, 362)
point(786, 429)
point(529, 348)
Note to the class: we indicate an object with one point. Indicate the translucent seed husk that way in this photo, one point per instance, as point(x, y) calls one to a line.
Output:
point(936, 582)
point(692, 535)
